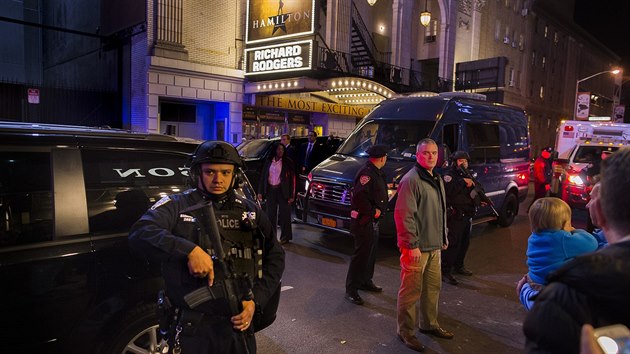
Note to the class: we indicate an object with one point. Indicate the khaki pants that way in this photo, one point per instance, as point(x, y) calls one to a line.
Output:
point(419, 281)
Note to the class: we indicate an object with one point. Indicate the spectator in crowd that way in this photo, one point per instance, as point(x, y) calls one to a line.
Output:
point(369, 201)
point(552, 243)
point(420, 217)
point(277, 183)
point(590, 176)
point(593, 288)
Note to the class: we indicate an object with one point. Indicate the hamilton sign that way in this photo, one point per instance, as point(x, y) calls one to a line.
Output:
point(292, 56)
point(269, 20)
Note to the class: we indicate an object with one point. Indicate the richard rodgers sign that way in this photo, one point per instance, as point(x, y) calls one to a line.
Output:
point(292, 56)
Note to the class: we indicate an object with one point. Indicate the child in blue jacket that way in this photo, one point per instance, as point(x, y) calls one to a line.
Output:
point(553, 242)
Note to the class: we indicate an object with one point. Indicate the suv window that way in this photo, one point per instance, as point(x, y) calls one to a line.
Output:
point(25, 198)
point(121, 185)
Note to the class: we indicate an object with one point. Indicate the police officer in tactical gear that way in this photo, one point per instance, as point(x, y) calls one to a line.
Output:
point(170, 232)
point(462, 205)
point(369, 201)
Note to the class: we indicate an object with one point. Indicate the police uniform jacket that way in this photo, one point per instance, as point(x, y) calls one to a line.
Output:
point(369, 193)
point(457, 193)
point(542, 170)
point(169, 231)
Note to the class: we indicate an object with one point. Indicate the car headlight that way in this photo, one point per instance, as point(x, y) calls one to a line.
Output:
point(391, 191)
point(575, 179)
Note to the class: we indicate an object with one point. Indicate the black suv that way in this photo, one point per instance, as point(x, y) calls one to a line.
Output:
point(68, 196)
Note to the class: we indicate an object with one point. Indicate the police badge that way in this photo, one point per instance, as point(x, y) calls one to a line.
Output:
point(364, 180)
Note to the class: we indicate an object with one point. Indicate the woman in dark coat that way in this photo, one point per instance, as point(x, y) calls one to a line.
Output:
point(277, 184)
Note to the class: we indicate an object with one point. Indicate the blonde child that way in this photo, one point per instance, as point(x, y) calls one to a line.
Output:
point(553, 242)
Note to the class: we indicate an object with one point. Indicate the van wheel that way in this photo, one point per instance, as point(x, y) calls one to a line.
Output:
point(508, 210)
point(138, 333)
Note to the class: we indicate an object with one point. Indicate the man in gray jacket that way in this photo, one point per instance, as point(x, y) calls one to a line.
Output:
point(420, 217)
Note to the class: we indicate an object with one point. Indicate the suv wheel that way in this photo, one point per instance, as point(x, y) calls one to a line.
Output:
point(508, 210)
point(138, 333)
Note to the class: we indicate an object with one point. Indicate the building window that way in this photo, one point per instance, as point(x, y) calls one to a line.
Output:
point(497, 31)
point(556, 38)
point(430, 32)
point(543, 62)
point(542, 92)
point(533, 57)
point(546, 33)
point(521, 42)
point(506, 36)
point(511, 82)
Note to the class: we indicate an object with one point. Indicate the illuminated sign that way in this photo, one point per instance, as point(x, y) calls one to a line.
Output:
point(310, 106)
point(293, 56)
point(269, 20)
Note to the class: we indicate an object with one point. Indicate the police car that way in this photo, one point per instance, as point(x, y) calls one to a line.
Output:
point(68, 196)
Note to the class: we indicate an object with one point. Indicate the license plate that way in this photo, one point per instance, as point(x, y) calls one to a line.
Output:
point(329, 222)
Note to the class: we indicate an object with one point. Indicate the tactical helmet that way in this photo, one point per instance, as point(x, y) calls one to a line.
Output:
point(215, 152)
point(460, 155)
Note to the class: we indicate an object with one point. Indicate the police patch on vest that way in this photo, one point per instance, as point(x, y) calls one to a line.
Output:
point(447, 178)
point(249, 215)
point(187, 218)
point(161, 202)
point(364, 180)
point(229, 223)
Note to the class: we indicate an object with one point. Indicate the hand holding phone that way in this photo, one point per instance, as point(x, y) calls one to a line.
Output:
point(613, 339)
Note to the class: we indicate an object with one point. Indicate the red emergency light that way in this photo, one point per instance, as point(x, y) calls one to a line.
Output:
point(568, 128)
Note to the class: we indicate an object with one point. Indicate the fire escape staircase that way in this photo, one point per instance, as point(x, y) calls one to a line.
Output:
point(362, 47)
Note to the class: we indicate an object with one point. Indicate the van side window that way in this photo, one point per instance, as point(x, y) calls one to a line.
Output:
point(514, 141)
point(26, 207)
point(122, 185)
point(450, 134)
point(483, 142)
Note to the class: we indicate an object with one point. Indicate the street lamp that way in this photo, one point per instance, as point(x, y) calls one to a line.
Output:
point(577, 87)
point(371, 2)
point(425, 16)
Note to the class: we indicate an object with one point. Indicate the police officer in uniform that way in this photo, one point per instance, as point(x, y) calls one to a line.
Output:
point(369, 201)
point(171, 232)
point(461, 202)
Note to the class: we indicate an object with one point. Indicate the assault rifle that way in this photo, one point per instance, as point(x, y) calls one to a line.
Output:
point(235, 287)
point(478, 190)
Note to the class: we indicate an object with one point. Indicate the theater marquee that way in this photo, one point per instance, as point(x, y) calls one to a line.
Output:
point(269, 20)
point(291, 56)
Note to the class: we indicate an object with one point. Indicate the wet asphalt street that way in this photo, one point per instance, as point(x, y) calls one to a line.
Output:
point(483, 310)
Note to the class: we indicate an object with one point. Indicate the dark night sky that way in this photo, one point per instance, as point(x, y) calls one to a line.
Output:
point(608, 21)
